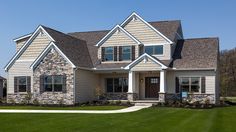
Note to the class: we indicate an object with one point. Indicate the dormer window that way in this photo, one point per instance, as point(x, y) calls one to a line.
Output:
point(108, 54)
point(126, 53)
point(154, 50)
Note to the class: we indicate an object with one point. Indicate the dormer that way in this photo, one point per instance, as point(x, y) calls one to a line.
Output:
point(118, 46)
point(155, 43)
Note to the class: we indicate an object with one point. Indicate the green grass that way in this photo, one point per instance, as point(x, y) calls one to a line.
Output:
point(64, 108)
point(146, 120)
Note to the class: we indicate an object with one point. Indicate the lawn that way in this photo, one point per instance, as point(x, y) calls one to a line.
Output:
point(64, 108)
point(146, 120)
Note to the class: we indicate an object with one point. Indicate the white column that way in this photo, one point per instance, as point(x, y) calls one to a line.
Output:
point(162, 81)
point(131, 88)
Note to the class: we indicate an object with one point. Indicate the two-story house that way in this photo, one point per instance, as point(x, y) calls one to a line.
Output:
point(136, 60)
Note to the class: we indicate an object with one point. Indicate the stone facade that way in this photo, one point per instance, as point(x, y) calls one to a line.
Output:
point(202, 98)
point(54, 64)
point(115, 96)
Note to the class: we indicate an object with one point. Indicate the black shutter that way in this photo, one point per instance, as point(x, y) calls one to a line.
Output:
point(115, 53)
point(15, 85)
point(41, 83)
point(203, 84)
point(120, 53)
point(103, 53)
point(141, 50)
point(133, 53)
point(28, 84)
point(64, 84)
point(177, 89)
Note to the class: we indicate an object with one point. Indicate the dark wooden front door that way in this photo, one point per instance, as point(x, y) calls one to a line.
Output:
point(152, 87)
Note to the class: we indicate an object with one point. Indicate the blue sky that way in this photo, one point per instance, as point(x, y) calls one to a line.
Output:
point(201, 18)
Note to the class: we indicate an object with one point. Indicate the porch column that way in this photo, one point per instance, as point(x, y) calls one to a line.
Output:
point(131, 87)
point(162, 86)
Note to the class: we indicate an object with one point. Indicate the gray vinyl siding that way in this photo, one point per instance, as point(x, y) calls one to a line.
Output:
point(149, 65)
point(210, 79)
point(143, 33)
point(36, 47)
point(19, 68)
point(20, 43)
point(86, 83)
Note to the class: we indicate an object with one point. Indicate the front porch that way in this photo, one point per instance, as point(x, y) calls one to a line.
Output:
point(147, 86)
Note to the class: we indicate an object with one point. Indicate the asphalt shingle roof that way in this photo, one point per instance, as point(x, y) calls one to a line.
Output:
point(196, 53)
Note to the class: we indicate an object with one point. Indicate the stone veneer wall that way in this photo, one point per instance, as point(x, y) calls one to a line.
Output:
point(191, 97)
point(114, 96)
point(54, 64)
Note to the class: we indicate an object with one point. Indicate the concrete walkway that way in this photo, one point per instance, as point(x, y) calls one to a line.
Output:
point(125, 110)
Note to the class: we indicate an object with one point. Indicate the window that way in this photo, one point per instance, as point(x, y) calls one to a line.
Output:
point(154, 50)
point(108, 53)
point(154, 80)
point(190, 84)
point(22, 84)
point(53, 83)
point(126, 53)
point(117, 85)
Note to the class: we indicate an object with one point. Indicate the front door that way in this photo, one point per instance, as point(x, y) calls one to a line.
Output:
point(152, 87)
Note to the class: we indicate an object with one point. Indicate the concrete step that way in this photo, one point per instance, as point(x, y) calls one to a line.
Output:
point(143, 104)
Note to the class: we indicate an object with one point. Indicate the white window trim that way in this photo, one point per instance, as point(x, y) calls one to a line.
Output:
point(130, 53)
point(158, 55)
point(200, 83)
point(17, 85)
point(112, 53)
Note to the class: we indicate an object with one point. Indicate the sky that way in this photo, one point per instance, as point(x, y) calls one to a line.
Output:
point(199, 18)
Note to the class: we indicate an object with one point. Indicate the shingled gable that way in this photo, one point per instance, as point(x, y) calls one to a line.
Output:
point(136, 16)
point(51, 46)
point(27, 43)
point(142, 57)
point(117, 27)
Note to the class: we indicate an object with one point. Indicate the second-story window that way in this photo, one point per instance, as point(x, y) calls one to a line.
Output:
point(126, 53)
point(154, 50)
point(109, 53)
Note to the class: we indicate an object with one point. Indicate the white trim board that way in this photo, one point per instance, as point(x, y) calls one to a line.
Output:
point(27, 43)
point(22, 37)
point(132, 64)
point(51, 46)
point(113, 31)
point(145, 22)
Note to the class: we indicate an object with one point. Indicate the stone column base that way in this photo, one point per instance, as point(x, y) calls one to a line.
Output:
point(162, 97)
point(132, 96)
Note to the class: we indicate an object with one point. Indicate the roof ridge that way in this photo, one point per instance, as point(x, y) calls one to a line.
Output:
point(201, 38)
point(89, 31)
point(164, 21)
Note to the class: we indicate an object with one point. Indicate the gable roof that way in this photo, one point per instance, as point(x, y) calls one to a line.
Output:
point(143, 56)
point(168, 28)
point(24, 47)
point(23, 37)
point(117, 27)
point(2, 78)
point(198, 53)
point(134, 15)
point(76, 50)
point(50, 47)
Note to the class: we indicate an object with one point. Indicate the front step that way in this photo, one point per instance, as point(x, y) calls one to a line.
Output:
point(145, 102)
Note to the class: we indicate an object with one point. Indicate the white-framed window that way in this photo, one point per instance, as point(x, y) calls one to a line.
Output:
point(108, 53)
point(53, 83)
point(154, 49)
point(126, 53)
point(190, 84)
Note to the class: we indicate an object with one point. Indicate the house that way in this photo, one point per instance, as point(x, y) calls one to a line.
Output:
point(135, 60)
point(2, 80)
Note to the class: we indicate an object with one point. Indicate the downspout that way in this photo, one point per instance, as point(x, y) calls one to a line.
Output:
point(74, 72)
